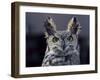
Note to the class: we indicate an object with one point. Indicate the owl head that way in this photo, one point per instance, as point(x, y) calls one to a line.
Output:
point(60, 40)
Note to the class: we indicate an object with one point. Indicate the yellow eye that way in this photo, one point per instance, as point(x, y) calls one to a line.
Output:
point(55, 39)
point(70, 38)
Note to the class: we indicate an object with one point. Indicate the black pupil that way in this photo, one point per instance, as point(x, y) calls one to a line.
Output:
point(70, 38)
point(55, 39)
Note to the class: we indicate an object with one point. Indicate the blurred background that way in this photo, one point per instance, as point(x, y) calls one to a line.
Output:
point(36, 43)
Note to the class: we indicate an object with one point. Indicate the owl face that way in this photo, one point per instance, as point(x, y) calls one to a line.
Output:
point(61, 40)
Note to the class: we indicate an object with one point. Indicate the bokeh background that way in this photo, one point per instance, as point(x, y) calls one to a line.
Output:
point(36, 43)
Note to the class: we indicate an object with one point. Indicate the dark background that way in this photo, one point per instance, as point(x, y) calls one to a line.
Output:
point(36, 43)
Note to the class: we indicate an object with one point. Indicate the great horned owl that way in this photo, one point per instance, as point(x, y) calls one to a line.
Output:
point(62, 46)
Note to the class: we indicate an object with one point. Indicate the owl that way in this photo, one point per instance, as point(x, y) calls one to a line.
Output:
point(62, 46)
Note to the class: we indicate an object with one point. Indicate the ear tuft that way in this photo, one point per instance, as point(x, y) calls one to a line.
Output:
point(74, 26)
point(50, 26)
